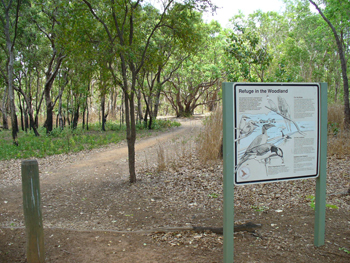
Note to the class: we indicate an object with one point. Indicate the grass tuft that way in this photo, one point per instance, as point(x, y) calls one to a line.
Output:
point(338, 138)
point(210, 138)
point(161, 164)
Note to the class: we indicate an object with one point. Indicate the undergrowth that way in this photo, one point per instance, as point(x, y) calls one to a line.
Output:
point(68, 140)
point(338, 137)
point(210, 138)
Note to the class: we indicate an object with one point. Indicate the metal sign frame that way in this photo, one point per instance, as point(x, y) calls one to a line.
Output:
point(276, 131)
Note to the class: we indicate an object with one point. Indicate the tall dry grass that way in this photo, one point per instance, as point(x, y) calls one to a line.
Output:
point(338, 138)
point(161, 158)
point(210, 138)
point(336, 114)
point(172, 154)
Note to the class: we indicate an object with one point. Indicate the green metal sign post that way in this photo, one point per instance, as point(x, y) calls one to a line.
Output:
point(229, 151)
point(320, 196)
point(228, 113)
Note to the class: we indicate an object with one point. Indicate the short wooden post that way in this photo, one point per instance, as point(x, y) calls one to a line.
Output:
point(32, 211)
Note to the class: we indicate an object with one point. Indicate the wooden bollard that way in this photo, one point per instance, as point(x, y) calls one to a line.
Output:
point(32, 211)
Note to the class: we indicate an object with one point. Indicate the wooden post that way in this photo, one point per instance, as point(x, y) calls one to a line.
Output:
point(32, 211)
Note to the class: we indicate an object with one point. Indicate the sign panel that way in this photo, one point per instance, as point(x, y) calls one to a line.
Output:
point(276, 131)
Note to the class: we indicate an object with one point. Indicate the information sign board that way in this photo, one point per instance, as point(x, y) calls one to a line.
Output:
point(276, 131)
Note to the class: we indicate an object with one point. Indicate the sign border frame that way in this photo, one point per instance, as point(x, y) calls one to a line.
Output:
point(276, 84)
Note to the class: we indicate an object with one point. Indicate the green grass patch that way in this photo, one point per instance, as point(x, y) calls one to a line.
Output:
point(311, 198)
point(67, 140)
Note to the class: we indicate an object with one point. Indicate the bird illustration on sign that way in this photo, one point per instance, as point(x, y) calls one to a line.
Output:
point(260, 150)
point(246, 127)
point(283, 110)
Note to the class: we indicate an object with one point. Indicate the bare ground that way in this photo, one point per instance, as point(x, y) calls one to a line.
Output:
point(92, 213)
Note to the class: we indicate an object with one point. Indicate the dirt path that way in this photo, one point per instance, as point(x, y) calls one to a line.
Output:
point(112, 162)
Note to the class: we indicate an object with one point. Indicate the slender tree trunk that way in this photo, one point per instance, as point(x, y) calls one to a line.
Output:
point(26, 120)
point(148, 110)
point(49, 110)
point(14, 124)
point(336, 92)
point(139, 106)
point(21, 111)
point(29, 109)
point(157, 101)
point(59, 115)
point(84, 110)
point(75, 113)
point(343, 67)
point(131, 134)
point(87, 115)
point(5, 124)
point(113, 99)
point(122, 109)
point(10, 48)
point(76, 117)
point(103, 104)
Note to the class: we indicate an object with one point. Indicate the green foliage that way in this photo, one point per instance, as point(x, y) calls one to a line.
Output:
point(333, 128)
point(213, 195)
point(347, 251)
point(311, 198)
point(245, 46)
point(67, 140)
point(260, 208)
point(159, 125)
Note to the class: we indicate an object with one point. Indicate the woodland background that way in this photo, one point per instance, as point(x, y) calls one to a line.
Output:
point(66, 63)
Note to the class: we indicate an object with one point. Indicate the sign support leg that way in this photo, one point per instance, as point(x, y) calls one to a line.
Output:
point(320, 196)
point(228, 145)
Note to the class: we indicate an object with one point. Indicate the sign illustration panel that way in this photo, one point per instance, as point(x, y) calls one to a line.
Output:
point(276, 131)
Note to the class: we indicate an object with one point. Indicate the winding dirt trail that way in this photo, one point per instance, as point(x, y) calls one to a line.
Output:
point(113, 161)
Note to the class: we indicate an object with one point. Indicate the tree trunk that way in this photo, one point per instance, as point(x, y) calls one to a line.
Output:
point(139, 106)
point(49, 110)
point(148, 112)
point(59, 115)
point(21, 111)
point(122, 109)
point(84, 111)
point(87, 115)
point(113, 99)
point(75, 116)
point(156, 103)
point(14, 125)
point(103, 104)
point(50, 78)
point(5, 124)
point(343, 68)
point(26, 120)
point(29, 110)
point(130, 133)
point(10, 46)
